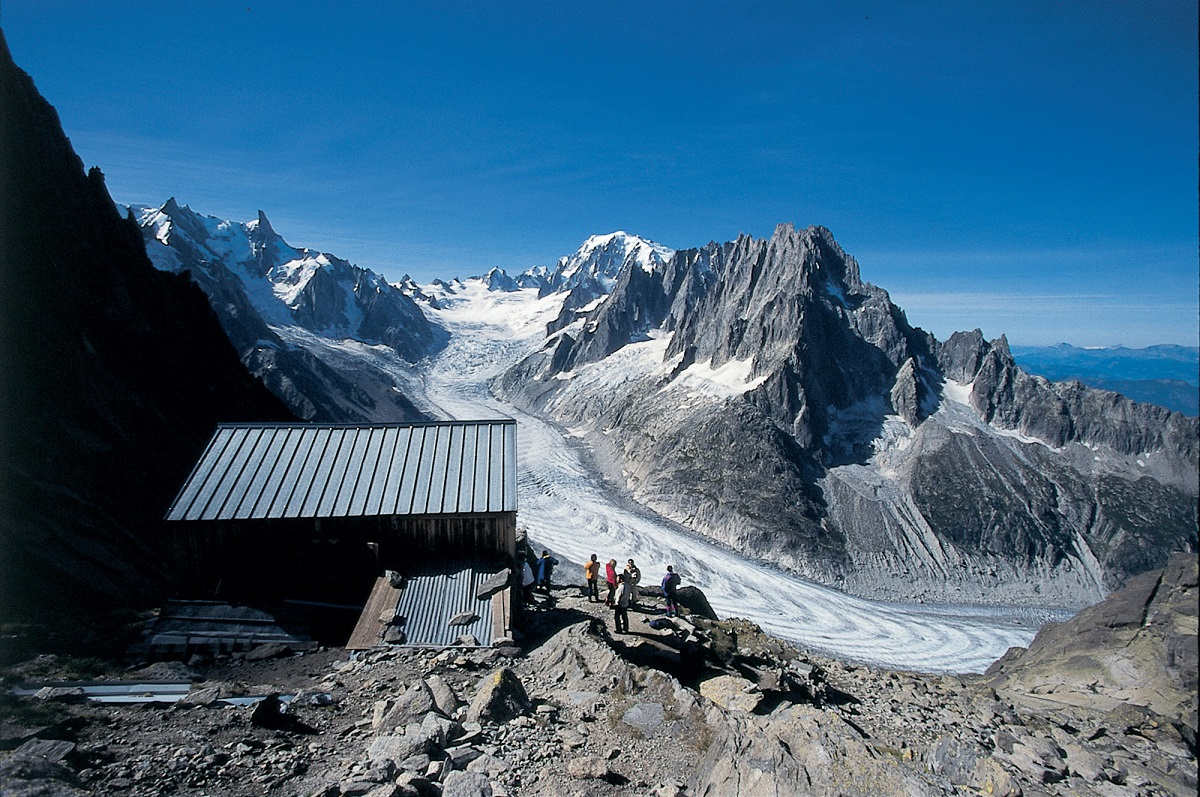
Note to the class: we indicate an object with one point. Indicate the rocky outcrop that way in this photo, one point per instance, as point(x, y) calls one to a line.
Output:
point(801, 749)
point(1138, 647)
point(910, 394)
point(603, 715)
point(114, 375)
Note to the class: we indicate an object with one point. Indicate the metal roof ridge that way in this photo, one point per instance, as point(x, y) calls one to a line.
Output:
point(365, 425)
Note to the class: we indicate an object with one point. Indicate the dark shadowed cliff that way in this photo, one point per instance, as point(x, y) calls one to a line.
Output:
point(113, 376)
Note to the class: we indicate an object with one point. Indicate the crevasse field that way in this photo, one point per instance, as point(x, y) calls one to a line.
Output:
point(569, 511)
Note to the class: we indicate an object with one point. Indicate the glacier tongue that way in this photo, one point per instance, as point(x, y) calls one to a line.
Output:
point(566, 508)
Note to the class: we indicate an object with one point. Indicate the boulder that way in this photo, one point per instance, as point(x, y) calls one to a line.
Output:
point(61, 694)
point(53, 750)
point(379, 710)
point(722, 643)
point(463, 618)
point(395, 579)
point(33, 774)
point(645, 716)
point(268, 713)
point(163, 671)
point(990, 778)
point(411, 784)
point(731, 693)
point(385, 790)
point(955, 759)
point(395, 635)
point(467, 641)
point(499, 698)
point(204, 696)
point(444, 696)
point(695, 602)
point(589, 766)
point(466, 784)
point(493, 584)
point(1083, 763)
point(418, 762)
point(398, 748)
point(439, 729)
point(463, 754)
point(412, 706)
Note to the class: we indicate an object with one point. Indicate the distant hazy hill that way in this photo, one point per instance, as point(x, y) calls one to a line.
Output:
point(1164, 375)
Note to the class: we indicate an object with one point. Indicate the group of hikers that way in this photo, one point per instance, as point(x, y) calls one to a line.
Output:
point(622, 586)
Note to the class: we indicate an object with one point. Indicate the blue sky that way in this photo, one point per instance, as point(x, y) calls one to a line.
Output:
point(1024, 168)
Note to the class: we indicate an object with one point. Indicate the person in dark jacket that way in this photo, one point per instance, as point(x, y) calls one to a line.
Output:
point(621, 606)
point(633, 577)
point(545, 569)
point(670, 583)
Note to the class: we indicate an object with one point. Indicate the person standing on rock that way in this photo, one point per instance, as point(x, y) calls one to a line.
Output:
point(591, 571)
point(545, 570)
point(670, 583)
point(610, 578)
point(527, 581)
point(633, 578)
point(621, 606)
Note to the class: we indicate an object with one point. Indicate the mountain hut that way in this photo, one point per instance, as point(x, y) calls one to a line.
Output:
point(320, 512)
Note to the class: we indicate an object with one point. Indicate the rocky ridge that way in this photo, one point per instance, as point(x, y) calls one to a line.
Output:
point(680, 706)
point(760, 392)
point(287, 310)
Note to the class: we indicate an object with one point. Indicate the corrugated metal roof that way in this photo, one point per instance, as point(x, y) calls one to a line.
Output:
point(431, 598)
point(339, 470)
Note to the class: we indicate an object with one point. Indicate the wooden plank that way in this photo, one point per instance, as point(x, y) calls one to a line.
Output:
point(368, 631)
point(500, 613)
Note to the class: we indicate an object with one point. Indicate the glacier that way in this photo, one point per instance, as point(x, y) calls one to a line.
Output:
point(567, 508)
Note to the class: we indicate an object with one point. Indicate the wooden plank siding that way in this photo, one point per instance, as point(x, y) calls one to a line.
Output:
point(368, 632)
point(271, 555)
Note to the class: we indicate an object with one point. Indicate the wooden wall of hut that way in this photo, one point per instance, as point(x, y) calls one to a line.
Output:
point(332, 559)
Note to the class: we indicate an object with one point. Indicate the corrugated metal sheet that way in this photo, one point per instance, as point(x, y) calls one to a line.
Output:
point(338, 470)
point(184, 625)
point(430, 599)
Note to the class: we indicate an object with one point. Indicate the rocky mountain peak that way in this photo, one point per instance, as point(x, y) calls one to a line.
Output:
point(262, 225)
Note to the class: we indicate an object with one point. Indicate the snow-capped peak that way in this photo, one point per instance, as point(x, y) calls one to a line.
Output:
point(601, 258)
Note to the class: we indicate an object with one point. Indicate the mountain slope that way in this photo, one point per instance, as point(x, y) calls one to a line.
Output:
point(760, 392)
point(114, 377)
point(286, 310)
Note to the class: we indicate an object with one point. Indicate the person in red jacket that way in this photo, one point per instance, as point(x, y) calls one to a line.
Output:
point(610, 578)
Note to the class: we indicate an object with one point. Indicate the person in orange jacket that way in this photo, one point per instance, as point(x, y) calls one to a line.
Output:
point(591, 571)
